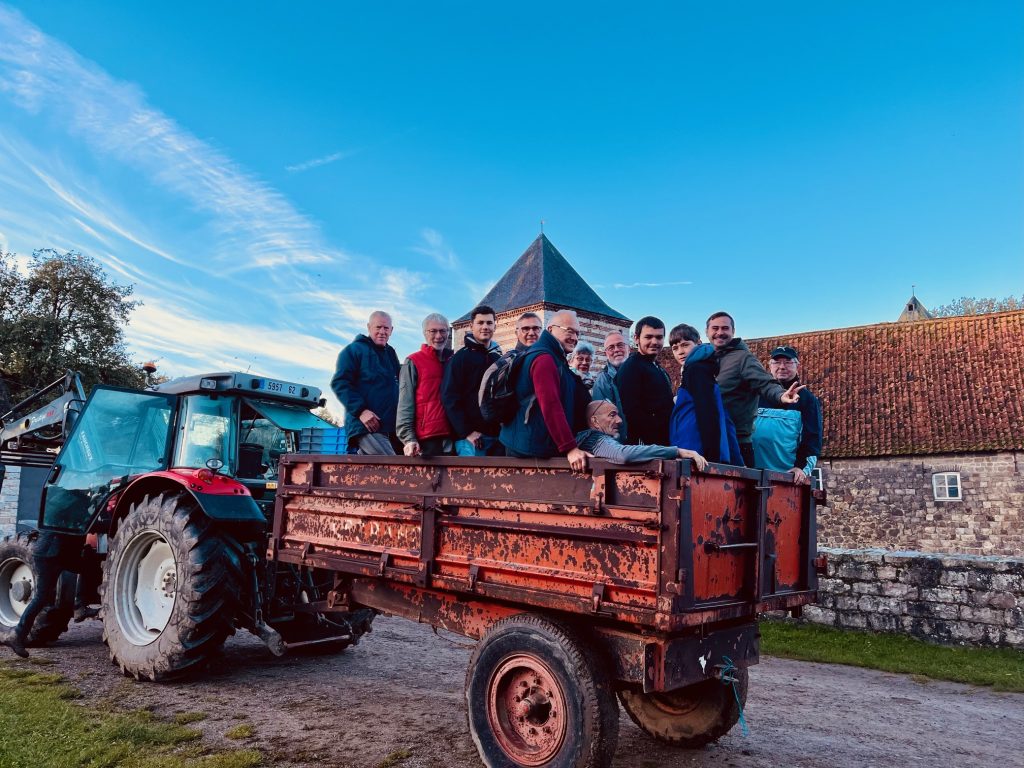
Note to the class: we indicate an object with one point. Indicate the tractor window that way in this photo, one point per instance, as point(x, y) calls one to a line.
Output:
point(206, 432)
point(120, 433)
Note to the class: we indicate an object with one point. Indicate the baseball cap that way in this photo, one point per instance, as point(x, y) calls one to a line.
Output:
point(784, 351)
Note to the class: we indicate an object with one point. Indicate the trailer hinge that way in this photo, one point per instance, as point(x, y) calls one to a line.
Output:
point(383, 563)
point(474, 573)
point(597, 595)
point(306, 550)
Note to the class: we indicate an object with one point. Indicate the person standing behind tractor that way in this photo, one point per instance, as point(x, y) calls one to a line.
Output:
point(421, 422)
point(461, 386)
point(549, 396)
point(788, 439)
point(645, 388)
point(366, 383)
point(742, 380)
point(616, 349)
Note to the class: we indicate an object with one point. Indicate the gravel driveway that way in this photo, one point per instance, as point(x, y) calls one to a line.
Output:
point(399, 692)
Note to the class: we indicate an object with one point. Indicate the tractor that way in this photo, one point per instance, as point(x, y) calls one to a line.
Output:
point(168, 494)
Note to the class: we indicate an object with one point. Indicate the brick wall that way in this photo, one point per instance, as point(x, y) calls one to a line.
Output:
point(9, 500)
point(889, 503)
point(969, 600)
point(593, 329)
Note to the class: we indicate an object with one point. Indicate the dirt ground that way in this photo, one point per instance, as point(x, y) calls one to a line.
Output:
point(400, 692)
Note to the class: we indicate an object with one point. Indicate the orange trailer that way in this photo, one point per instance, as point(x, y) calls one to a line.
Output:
point(642, 581)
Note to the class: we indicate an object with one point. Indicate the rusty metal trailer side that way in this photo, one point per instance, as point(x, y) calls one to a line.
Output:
point(664, 565)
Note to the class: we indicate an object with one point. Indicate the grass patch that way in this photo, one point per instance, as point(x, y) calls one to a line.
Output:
point(1000, 668)
point(396, 757)
point(184, 718)
point(243, 731)
point(41, 725)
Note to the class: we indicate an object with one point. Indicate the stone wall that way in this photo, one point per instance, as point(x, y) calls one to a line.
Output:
point(9, 500)
point(970, 600)
point(889, 503)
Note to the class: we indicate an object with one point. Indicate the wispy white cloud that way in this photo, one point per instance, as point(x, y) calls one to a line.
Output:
point(646, 285)
point(319, 161)
point(39, 73)
point(435, 247)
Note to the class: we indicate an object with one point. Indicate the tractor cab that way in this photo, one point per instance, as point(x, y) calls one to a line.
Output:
point(235, 425)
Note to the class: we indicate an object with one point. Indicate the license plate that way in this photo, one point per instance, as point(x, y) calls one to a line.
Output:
point(279, 387)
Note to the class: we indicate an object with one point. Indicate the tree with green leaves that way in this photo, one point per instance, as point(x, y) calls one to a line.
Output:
point(62, 313)
point(968, 305)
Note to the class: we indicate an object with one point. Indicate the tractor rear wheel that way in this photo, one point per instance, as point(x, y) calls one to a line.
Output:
point(689, 717)
point(170, 592)
point(537, 696)
point(17, 584)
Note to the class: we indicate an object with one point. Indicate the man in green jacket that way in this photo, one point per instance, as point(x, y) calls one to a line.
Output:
point(743, 380)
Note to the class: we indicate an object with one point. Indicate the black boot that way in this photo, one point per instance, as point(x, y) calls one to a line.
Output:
point(11, 640)
point(84, 612)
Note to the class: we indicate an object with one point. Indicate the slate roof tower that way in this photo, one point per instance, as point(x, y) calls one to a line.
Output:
point(543, 281)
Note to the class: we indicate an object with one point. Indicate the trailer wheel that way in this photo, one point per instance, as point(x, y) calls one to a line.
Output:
point(689, 717)
point(537, 696)
point(170, 589)
point(17, 581)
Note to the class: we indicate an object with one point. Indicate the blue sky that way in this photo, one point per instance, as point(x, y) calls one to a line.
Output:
point(268, 174)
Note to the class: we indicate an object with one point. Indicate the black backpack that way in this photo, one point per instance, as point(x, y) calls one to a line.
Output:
point(498, 403)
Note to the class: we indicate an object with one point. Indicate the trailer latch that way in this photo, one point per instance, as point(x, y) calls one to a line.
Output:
point(474, 573)
point(597, 595)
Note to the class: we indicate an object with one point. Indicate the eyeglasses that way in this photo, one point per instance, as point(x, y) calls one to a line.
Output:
point(568, 331)
point(620, 345)
point(534, 328)
point(784, 361)
point(433, 331)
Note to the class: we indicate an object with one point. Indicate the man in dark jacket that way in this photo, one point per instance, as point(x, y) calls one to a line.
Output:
point(788, 439)
point(461, 387)
point(742, 380)
point(645, 388)
point(616, 350)
point(551, 397)
point(366, 383)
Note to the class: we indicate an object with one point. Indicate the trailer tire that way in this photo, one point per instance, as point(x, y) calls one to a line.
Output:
point(689, 717)
point(15, 566)
point(171, 588)
point(536, 695)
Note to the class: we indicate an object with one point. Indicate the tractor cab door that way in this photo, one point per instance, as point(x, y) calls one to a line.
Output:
point(120, 433)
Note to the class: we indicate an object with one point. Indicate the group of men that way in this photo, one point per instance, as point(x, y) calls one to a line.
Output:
point(728, 408)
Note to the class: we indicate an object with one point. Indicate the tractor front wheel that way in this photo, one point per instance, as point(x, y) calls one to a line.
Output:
point(689, 717)
point(170, 592)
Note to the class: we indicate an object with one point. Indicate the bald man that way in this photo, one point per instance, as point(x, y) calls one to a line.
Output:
point(366, 383)
point(601, 440)
point(546, 384)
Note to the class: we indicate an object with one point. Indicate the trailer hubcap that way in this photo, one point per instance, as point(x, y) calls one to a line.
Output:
point(146, 585)
point(526, 710)
point(16, 583)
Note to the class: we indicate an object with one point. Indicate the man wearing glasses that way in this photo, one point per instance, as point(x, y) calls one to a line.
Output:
point(616, 350)
point(788, 438)
point(528, 330)
point(422, 424)
point(645, 388)
point(549, 397)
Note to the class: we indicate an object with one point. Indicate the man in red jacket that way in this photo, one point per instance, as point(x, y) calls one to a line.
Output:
point(421, 423)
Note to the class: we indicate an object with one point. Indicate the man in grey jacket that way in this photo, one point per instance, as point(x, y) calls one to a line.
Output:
point(601, 440)
point(742, 380)
point(616, 349)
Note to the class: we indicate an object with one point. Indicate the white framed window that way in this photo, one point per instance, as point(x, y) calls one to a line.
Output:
point(946, 486)
point(817, 479)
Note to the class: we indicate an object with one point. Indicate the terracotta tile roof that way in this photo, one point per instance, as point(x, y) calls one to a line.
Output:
point(950, 385)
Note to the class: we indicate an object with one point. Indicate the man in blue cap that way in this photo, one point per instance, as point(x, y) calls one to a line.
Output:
point(787, 437)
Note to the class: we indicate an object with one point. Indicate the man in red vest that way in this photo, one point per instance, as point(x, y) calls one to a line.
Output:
point(422, 424)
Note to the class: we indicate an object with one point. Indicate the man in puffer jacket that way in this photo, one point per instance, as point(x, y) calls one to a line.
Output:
point(742, 380)
point(366, 383)
point(699, 421)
